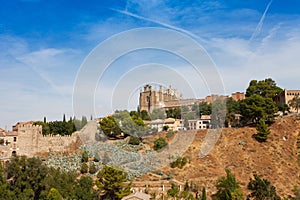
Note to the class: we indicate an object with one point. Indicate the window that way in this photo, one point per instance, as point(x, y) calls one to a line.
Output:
point(14, 153)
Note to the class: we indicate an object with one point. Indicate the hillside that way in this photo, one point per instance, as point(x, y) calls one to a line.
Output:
point(276, 159)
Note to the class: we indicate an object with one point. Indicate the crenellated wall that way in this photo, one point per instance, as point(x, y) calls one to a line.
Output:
point(31, 141)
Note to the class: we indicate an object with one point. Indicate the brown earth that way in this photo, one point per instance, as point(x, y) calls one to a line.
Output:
point(275, 160)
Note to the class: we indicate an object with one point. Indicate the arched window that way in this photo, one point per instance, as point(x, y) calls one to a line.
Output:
point(14, 153)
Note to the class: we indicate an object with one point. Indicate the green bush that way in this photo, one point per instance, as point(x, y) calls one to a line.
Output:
point(180, 162)
point(84, 168)
point(134, 140)
point(263, 131)
point(93, 169)
point(170, 134)
point(160, 143)
point(84, 157)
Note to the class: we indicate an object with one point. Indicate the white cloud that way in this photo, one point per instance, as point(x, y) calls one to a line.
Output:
point(35, 83)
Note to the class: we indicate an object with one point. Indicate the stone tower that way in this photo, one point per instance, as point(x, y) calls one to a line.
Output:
point(151, 99)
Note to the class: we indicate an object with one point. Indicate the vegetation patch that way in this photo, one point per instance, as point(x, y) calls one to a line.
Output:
point(159, 144)
point(180, 162)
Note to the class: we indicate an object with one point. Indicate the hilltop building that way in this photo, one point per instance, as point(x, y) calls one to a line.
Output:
point(202, 123)
point(162, 98)
point(213, 97)
point(285, 96)
point(151, 99)
point(238, 96)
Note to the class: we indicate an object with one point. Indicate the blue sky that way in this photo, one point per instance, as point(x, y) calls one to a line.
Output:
point(44, 43)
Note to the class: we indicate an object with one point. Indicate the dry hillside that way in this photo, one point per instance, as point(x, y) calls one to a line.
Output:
point(276, 159)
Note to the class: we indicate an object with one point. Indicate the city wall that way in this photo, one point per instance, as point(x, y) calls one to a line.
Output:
point(30, 141)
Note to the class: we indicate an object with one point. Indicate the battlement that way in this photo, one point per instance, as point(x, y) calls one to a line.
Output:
point(58, 136)
point(29, 126)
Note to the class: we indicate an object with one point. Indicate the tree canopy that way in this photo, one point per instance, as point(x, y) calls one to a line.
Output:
point(261, 189)
point(61, 127)
point(228, 187)
point(28, 178)
point(259, 101)
point(128, 123)
point(265, 88)
point(113, 183)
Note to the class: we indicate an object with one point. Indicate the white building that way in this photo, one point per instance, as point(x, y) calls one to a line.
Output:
point(202, 123)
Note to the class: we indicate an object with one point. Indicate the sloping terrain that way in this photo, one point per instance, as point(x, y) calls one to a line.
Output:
point(275, 160)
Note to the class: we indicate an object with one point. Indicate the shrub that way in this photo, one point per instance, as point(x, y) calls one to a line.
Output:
point(160, 143)
point(170, 134)
point(84, 168)
point(84, 157)
point(93, 169)
point(180, 162)
point(263, 131)
point(261, 189)
point(134, 140)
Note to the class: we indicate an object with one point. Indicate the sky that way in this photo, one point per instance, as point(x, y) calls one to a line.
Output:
point(46, 46)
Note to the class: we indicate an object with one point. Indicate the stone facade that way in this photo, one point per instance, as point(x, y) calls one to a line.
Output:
point(151, 99)
point(213, 97)
point(161, 98)
point(285, 96)
point(27, 139)
point(238, 96)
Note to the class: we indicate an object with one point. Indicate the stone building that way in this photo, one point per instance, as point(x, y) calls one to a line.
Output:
point(285, 96)
point(213, 97)
point(151, 99)
point(27, 139)
point(238, 96)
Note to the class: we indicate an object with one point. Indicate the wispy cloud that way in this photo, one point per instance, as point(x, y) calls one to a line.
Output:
point(157, 22)
point(261, 22)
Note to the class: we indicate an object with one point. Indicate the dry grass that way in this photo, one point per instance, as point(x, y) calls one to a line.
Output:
point(276, 159)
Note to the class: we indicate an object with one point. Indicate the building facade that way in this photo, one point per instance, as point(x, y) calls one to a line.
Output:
point(285, 96)
point(202, 123)
point(27, 139)
point(238, 96)
point(151, 98)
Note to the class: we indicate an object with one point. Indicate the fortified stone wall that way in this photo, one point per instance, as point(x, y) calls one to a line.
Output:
point(31, 141)
point(55, 143)
point(27, 139)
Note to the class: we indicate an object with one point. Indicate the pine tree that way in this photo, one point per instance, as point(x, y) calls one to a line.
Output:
point(261, 189)
point(112, 182)
point(228, 187)
point(203, 197)
point(263, 131)
point(64, 118)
